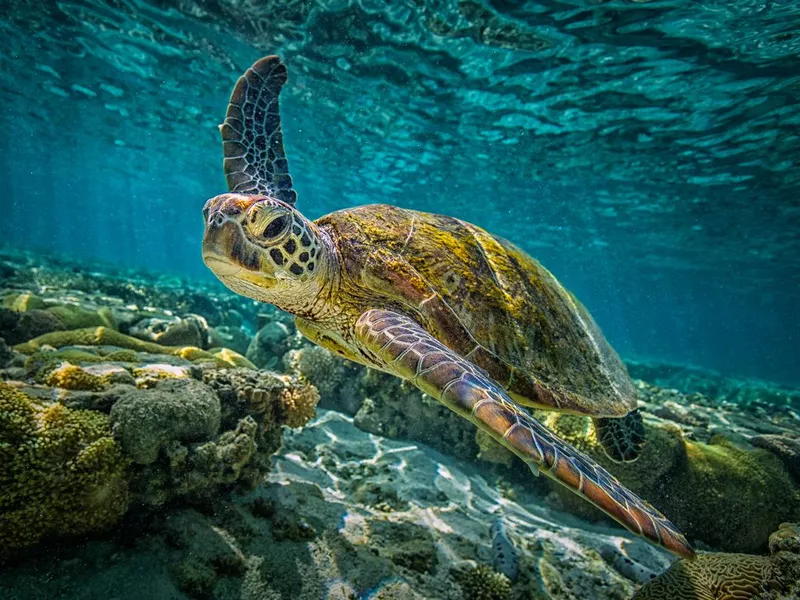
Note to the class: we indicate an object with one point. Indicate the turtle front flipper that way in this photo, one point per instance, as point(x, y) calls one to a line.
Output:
point(252, 140)
point(399, 345)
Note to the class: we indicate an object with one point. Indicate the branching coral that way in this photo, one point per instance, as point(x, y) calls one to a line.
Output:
point(298, 404)
point(483, 583)
point(61, 472)
point(277, 398)
point(70, 377)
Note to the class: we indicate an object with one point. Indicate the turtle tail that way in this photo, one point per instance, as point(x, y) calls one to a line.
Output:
point(622, 438)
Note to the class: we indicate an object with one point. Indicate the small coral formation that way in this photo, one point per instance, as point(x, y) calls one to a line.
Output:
point(298, 405)
point(197, 472)
point(728, 497)
point(175, 410)
point(724, 576)
point(785, 539)
point(483, 583)
point(284, 399)
point(337, 380)
point(71, 377)
point(61, 472)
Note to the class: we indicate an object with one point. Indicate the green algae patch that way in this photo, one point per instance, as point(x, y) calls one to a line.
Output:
point(105, 336)
point(75, 317)
point(61, 472)
point(729, 497)
point(23, 302)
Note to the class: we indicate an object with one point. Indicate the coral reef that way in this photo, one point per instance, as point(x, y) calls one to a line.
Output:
point(338, 512)
point(722, 576)
point(61, 472)
point(713, 385)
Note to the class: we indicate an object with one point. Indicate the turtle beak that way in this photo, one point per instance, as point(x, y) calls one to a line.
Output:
point(221, 240)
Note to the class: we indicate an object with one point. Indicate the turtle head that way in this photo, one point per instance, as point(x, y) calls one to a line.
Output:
point(261, 247)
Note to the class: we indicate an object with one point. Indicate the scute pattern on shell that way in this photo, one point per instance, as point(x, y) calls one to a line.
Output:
point(487, 300)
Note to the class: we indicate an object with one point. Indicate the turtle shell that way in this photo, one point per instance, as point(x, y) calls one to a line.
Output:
point(486, 299)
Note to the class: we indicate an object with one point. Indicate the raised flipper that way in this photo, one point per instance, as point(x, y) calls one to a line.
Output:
point(622, 438)
point(252, 140)
point(399, 345)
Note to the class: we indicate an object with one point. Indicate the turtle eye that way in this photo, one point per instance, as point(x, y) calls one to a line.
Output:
point(276, 227)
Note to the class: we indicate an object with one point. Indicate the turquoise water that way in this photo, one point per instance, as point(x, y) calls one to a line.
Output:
point(646, 152)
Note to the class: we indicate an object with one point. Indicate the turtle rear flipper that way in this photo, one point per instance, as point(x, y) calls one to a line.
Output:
point(401, 346)
point(252, 140)
point(622, 438)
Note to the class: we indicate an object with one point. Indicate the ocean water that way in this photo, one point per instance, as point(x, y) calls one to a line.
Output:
point(647, 152)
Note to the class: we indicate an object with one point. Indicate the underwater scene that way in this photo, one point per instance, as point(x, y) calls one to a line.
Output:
point(402, 299)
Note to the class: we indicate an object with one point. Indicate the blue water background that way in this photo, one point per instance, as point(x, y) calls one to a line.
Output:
point(647, 153)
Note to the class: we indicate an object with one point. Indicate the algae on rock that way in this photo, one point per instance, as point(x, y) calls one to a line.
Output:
point(61, 471)
point(728, 497)
point(175, 410)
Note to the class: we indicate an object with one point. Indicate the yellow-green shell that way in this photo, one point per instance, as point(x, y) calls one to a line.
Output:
point(486, 299)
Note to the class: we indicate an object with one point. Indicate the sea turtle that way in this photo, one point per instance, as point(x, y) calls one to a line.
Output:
point(464, 315)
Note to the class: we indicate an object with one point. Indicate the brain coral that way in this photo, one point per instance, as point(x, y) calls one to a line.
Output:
point(61, 472)
point(722, 576)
